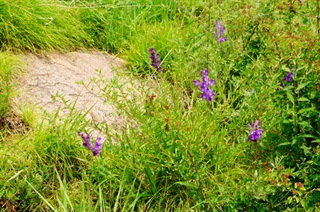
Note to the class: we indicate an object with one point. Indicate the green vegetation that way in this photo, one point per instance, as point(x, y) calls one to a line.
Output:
point(178, 152)
point(8, 67)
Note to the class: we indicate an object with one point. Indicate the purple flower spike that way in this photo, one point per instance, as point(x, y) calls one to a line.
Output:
point(155, 62)
point(300, 1)
point(206, 92)
point(288, 77)
point(219, 30)
point(97, 147)
point(255, 131)
point(87, 143)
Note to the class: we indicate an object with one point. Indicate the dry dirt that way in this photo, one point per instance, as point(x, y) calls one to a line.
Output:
point(58, 73)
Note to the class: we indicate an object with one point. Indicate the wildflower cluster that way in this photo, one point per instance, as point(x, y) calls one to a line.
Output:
point(219, 30)
point(255, 131)
point(206, 92)
point(95, 149)
point(155, 62)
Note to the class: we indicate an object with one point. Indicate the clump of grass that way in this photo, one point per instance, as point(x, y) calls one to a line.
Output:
point(9, 66)
point(113, 25)
point(35, 25)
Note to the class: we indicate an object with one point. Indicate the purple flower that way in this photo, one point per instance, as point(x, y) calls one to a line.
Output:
point(206, 92)
point(155, 62)
point(288, 77)
point(300, 1)
point(87, 143)
point(255, 131)
point(219, 30)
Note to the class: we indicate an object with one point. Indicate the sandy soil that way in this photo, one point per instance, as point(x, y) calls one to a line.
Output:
point(58, 73)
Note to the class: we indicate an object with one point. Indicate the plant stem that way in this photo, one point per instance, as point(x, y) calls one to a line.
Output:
point(318, 18)
point(208, 34)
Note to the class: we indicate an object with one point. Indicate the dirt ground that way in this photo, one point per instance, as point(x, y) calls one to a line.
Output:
point(58, 73)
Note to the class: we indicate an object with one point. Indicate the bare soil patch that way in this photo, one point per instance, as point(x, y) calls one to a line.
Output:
point(58, 73)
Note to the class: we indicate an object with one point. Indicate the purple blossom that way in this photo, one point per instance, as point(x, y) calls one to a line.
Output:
point(219, 30)
point(300, 1)
point(95, 149)
point(288, 77)
point(255, 131)
point(206, 92)
point(155, 62)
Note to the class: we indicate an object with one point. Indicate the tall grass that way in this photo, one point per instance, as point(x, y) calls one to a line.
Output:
point(175, 151)
point(9, 66)
point(39, 25)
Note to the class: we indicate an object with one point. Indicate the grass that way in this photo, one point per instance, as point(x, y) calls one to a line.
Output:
point(8, 68)
point(176, 151)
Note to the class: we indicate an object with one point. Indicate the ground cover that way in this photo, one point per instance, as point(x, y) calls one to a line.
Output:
point(225, 116)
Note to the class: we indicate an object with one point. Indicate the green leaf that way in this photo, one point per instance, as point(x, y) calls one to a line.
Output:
point(303, 99)
point(306, 110)
point(306, 136)
point(304, 123)
point(286, 121)
point(302, 85)
point(290, 97)
point(290, 199)
point(285, 144)
point(148, 173)
point(315, 141)
point(293, 141)
point(189, 185)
